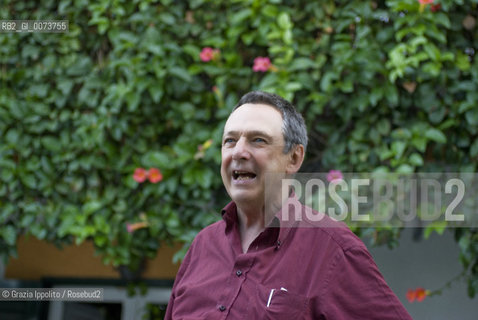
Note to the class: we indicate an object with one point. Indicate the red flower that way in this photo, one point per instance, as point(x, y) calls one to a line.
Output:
point(411, 295)
point(418, 294)
point(334, 176)
point(140, 175)
point(423, 4)
point(261, 64)
point(208, 54)
point(155, 175)
point(131, 227)
point(435, 7)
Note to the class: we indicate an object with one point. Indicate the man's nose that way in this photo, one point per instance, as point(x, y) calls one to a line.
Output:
point(241, 150)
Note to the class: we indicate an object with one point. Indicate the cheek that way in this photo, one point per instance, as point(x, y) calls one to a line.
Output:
point(225, 160)
point(226, 156)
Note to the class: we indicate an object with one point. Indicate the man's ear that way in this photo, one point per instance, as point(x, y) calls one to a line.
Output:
point(296, 157)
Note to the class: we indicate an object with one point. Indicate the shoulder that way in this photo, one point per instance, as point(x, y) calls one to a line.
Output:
point(201, 245)
point(343, 237)
point(336, 233)
point(212, 232)
point(318, 228)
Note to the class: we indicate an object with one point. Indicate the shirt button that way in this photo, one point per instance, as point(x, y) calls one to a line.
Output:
point(222, 308)
point(238, 273)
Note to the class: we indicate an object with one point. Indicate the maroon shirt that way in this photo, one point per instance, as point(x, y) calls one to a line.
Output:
point(320, 272)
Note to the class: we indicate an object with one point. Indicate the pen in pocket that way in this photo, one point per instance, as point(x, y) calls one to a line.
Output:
point(270, 296)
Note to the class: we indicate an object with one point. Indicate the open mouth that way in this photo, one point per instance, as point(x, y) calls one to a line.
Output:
point(243, 175)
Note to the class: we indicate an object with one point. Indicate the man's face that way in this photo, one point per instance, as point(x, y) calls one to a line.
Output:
point(252, 145)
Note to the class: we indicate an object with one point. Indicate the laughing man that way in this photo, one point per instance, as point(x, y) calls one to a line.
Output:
point(250, 265)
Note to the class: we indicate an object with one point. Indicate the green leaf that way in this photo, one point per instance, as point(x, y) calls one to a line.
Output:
point(180, 73)
point(432, 51)
point(398, 147)
point(239, 16)
point(284, 21)
point(29, 180)
point(167, 18)
point(51, 143)
point(326, 81)
point(383, 126)
point(462, 61)
point(443, 19)
point(472, 117)
point(405, 169)
point(269, 81)
point(156, 91)
point(416, 160)
point(270, 11)
point(157, 159)
point(192, 51)
point(436, 226)
point(12, 136)
point(391, 94)
point(205, 177)
point(133, 100)
point(6, 174)
point(435, 135)
point(474, 148)
point(293, 86)
point(401, 133)
point(65, 86)
point(419, 142)
point(9, 234)
point(91, 206)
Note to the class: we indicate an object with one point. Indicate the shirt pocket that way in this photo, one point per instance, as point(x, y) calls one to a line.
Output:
point(282, 305)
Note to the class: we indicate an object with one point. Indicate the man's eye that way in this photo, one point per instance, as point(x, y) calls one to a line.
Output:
point(260, 140)
point(228, 140)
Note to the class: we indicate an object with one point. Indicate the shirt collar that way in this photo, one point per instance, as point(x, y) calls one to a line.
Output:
point(229, 215)
point(280, 220)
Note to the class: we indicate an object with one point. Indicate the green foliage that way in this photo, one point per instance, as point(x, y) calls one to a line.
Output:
point(382, 85)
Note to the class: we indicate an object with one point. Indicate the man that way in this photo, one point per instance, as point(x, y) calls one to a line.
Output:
point(251, 265)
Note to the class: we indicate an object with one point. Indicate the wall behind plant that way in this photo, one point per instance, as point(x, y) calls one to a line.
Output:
point(111, 132)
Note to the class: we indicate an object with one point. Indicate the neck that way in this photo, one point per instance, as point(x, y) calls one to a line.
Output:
point(250, 216)
point(252, 221)
point(251, 224)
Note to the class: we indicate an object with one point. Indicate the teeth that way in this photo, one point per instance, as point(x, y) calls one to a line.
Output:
point(243, 178)
point(243, 175)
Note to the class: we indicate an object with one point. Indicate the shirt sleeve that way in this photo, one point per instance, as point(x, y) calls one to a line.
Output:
point(355, 289)
point(181, 271)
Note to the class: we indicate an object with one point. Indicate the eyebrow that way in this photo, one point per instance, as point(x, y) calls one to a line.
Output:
point(249, 133)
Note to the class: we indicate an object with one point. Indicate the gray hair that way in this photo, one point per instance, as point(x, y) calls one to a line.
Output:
point(293, 125)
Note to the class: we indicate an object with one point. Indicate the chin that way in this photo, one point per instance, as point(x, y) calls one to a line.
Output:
point(241, 197)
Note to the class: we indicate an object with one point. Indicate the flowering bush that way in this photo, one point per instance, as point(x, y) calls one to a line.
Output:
point(383, 85)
